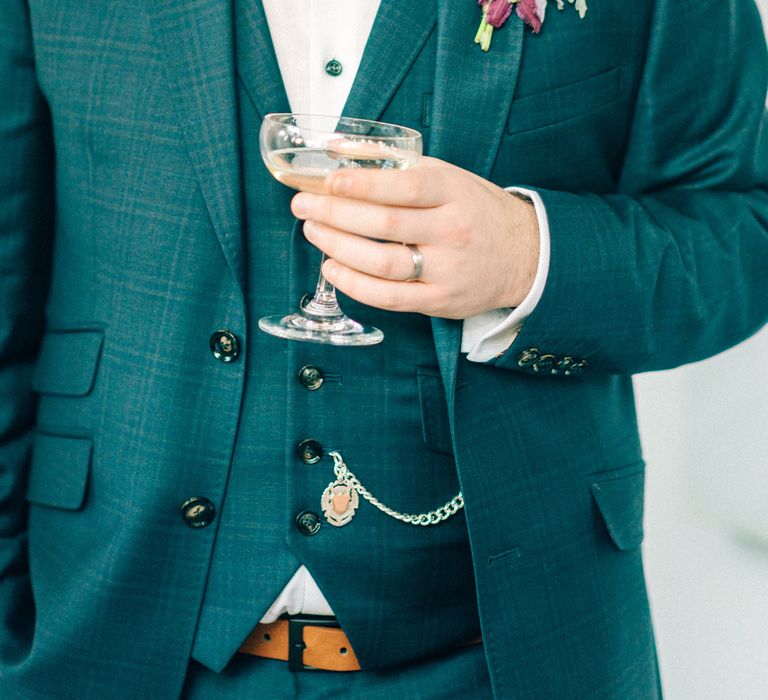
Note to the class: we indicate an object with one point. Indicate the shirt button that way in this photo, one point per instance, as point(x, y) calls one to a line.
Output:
point(225, 346)
point(198, 511)
point(308, 523)
point(333, 67)
point(311, 378)
point(309, 451)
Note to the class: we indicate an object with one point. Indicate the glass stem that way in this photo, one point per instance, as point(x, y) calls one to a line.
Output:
point(324, 304)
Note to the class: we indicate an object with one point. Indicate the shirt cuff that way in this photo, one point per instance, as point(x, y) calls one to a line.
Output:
point(488, 335)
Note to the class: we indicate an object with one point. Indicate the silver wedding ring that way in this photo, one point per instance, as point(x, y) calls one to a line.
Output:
point(418, 262)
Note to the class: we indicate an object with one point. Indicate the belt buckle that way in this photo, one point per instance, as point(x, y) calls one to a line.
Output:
point(296, 646)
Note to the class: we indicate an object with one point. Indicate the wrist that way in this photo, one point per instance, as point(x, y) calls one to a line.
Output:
point(526, 235)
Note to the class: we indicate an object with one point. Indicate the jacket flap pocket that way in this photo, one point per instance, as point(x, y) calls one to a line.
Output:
point(59, 471)
point(67, 362)
point(563, 103)
point(436, 427)
point(620, 497)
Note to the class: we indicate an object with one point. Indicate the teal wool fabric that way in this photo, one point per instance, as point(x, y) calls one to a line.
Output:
point(384, 408)
point(126, 240)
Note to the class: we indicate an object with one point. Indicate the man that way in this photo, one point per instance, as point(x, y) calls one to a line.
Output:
point(178, 455)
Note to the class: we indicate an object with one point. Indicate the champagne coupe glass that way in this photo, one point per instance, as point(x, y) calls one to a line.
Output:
point(300, 150)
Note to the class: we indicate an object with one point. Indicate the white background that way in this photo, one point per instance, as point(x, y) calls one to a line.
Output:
point(705, 433)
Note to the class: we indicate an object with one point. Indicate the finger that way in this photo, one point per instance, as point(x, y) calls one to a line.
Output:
point(427, 185)
point(380, 293)
point(392, 261)
point(370, 220)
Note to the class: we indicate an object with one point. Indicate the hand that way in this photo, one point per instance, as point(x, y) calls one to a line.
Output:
point(480, 243)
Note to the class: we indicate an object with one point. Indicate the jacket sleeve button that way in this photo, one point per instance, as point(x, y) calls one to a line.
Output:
point(527, 357)
point(576, 367)
point(544, 364)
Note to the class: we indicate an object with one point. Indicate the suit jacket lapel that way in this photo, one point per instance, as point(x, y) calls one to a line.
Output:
point(197, 42)
point(257, 64)
point(472, 97)
point(397, 36)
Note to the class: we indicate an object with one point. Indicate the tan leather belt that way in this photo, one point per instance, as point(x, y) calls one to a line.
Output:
point(306, 642)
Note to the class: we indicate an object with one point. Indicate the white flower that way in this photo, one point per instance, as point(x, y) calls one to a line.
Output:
point(581, 7)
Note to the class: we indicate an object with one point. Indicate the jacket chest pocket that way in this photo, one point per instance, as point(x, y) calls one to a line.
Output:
point(565, 103)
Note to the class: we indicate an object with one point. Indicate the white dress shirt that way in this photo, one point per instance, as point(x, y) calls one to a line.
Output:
point(306, 35)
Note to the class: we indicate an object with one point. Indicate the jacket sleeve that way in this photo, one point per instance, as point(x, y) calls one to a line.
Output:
point(673, 267)
point(26, 223)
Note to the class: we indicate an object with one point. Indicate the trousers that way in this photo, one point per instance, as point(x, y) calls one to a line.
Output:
point(460, 674)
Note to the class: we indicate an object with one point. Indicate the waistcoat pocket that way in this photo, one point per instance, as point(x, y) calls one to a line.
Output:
point(435, 425)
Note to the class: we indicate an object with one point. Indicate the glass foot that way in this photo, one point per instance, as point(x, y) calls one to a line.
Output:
point(338, 330)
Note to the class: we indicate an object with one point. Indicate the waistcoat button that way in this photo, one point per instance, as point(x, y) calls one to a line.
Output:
point(225, 346)
point(197, 511)
point(309, 451)
point(311, 378)
point(308, 523)
point(333, 67)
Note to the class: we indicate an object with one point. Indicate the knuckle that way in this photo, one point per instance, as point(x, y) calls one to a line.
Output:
point(390, 300)
point(460, 232)
point(384, 267)
point(390, 220)
point(414, 187)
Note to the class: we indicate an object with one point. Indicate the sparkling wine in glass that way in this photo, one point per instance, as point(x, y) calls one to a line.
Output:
point(300, 151)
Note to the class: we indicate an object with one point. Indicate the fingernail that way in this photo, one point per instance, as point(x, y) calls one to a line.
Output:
point(300, 205)
point(328, 267)
point(309, 229)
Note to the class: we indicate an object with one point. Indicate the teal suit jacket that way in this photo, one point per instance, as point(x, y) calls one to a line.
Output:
point(121, 248)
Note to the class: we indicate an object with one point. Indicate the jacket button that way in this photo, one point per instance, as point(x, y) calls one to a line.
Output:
point(333, 67)
point(311, 378)
point(576, 367)
point(308, 523)
point(527, 357)
point(225, 346)
point(310, 451)
point(544, 364)
point(198, 511)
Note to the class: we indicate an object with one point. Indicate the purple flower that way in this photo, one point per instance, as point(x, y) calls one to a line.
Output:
point(497, 12)
point(528, 12)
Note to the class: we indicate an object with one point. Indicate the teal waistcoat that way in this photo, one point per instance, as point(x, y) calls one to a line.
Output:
point(400, 591)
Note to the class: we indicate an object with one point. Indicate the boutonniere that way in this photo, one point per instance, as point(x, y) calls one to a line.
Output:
point(496, 12)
